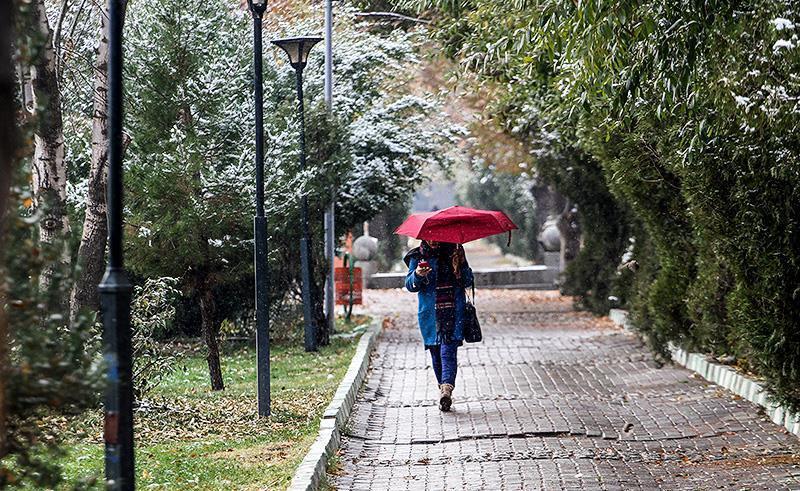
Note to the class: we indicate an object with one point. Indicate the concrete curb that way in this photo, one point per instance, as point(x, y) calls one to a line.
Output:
point(308, 475)
point(724, 376)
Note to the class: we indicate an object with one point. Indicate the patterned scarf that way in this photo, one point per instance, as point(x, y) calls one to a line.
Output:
point(445, 290)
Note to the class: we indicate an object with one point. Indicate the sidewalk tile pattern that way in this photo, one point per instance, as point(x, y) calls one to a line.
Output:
point(552, 399)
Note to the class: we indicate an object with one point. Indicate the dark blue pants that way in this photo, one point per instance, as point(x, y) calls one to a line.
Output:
point(445, 363)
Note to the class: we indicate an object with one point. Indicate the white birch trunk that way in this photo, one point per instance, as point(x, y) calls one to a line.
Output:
point(91, 253)
point(48, 170)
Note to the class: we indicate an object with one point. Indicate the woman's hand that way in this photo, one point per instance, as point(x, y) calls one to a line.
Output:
point(422, 271)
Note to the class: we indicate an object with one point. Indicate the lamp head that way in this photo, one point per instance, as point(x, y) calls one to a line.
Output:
point(297, 49)
point(257, 7)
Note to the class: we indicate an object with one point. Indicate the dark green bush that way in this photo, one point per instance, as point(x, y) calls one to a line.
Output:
point(591, 275)
point(690, 110)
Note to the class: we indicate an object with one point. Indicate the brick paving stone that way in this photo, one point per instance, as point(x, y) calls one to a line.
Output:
point(552, 399)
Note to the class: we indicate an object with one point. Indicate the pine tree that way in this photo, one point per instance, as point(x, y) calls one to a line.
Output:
point(189, 181)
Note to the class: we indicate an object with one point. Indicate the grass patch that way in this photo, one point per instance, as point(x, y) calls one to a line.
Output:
point(189, 437)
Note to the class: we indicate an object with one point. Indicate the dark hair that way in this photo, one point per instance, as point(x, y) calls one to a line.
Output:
point(457, 256)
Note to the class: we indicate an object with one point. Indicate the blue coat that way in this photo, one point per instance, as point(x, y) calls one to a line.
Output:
point(425, 287)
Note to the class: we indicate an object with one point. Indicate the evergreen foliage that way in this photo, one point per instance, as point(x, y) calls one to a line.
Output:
point(190, 173)
point(690, 109)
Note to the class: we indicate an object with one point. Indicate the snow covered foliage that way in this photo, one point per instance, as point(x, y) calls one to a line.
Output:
point(373, 150)
point(190, 140)
point(394, 145)
point(189, 169)
point(390, 134)
point(189, 117)
point(190, 173)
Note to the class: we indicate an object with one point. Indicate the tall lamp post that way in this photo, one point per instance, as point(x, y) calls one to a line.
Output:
point(257, 8)
point(330, 220)
point(298, 49)
point(115, 288)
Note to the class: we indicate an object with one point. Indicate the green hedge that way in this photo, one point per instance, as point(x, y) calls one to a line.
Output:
point(690, 110)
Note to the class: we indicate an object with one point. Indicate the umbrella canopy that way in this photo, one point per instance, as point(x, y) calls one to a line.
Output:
point(456, 224)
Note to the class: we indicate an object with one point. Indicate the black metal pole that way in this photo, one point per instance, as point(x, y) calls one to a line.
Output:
point(115, 288)
point(305, 252)
point(260, 233)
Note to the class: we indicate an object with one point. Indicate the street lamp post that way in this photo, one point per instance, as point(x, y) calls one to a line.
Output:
point(115, 288)
point(330, 215)
point(298, 49)
point(257, 8)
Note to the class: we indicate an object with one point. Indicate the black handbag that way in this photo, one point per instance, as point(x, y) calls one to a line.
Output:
point(472, 327)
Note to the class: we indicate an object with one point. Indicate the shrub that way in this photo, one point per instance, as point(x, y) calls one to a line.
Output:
point(53, 365)
point(690, 109)
point(152, 312)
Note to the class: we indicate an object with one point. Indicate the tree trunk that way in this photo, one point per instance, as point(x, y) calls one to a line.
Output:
point(210, 329)
point(319, 269)
point(320, 319)
point(3, 372)
point(91, 252)
point(48, 166)
point(8, 160)
point(570, 233)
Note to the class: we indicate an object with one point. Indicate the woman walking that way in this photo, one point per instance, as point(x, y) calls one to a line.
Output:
point(439, 273)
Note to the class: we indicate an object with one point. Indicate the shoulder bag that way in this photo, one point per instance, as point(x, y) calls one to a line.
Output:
point(472, 327)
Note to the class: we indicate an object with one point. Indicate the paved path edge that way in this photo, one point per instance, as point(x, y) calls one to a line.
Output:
point(724, 376)
point(309, 474)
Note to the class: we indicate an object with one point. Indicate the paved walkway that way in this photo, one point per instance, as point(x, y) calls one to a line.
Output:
point(482, 255)
point(552, 399)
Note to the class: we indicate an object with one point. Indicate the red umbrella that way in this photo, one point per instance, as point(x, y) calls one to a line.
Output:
point(456, 224)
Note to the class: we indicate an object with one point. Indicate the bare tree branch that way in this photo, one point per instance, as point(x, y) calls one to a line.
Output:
point(57, 34)
point(75, 19)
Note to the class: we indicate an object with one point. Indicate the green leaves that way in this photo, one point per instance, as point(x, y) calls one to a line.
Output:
point(691, 110)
